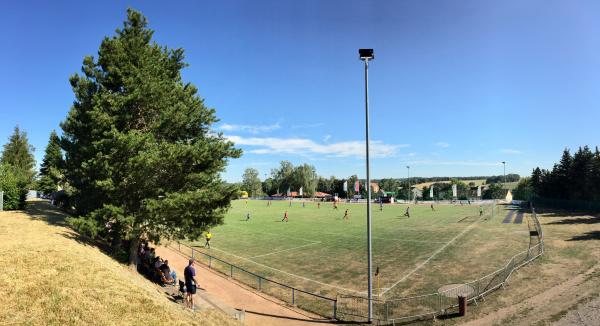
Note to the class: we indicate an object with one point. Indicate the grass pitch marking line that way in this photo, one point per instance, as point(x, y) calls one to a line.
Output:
point(287, 273)
point(432, 256)
point(278, 251)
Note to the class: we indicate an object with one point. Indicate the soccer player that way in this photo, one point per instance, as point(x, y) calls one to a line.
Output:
point(346, 214)
point(335, 205)
point(380, 205)
point(407, 213)
point(319, 205)
point(248, 217)
point(285, 217)
point(432, 209)
point(302, 204)
point(480, 210)
point(207, 236)
point(290, 203)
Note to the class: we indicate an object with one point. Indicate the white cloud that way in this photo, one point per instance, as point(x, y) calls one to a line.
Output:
point(442, 144)
point(511, 151)
point(302, 146)
point(309, 125)
point(249, 128)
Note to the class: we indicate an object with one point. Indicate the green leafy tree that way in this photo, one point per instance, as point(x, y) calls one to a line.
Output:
point(12, 186)
point(51, 175)
point(305, 177)
point(139, 150)
point(251, 182)
point(18, 153)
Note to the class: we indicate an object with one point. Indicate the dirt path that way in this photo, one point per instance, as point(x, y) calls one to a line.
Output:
point(566, 294)
point(260, 309)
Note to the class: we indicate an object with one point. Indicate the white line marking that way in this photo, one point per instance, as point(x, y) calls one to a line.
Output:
point(278, 251)
point(432, 256)
point(284, 272)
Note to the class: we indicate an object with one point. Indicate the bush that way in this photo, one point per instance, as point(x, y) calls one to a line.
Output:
point(14, 188)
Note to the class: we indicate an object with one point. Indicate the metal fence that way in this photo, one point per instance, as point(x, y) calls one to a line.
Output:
point(313, 302)
point(385, 311)
point(431, 305)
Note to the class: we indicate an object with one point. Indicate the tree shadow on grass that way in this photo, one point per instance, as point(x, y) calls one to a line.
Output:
point(42, 210)
point(585, 219)
point(592, 235)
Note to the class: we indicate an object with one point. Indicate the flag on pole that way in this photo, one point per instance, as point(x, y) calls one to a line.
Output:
point(300, 192)
point(357, 186)
point(478, 191)
point(431, 192)
point(454, 190)
point(346, 186)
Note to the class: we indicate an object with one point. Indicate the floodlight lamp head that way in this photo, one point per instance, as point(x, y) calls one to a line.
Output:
point(366, 54)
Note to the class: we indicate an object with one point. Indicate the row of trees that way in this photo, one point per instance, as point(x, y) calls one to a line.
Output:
point(16, 169)
point(575, 177)
point(287, 176)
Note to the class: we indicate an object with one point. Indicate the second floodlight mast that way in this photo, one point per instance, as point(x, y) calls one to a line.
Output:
point(366, 55)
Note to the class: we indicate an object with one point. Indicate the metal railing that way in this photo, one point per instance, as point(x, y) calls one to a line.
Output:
point(436, 304)
point(390, 311)
point(309, 301)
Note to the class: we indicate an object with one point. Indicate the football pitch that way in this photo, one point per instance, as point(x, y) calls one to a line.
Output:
point(320, 251)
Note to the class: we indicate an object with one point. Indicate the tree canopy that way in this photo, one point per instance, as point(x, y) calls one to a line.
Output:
point(51, 174)
point(251, 182)
point(574, 177)
point(18, 153)
point(139, 151)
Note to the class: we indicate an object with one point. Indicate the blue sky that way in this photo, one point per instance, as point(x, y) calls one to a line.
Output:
point(456, 86)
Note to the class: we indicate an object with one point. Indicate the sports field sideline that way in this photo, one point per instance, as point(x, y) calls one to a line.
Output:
point(320, 251)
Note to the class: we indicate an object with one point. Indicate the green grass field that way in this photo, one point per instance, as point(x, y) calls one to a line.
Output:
point(319, 251)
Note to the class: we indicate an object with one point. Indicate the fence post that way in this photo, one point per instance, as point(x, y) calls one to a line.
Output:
point(231, 271)
point(209, 261)
point(387, 313)
point(293, 297)
point(335, 309)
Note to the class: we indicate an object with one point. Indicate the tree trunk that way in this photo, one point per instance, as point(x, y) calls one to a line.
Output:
point(133, 251)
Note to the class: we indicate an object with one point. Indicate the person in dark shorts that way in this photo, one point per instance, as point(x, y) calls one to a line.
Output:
point(189, 274)
point(433, 209)
point(407, 213)
point(248, 217)
point(346, 216)
point(480, 210)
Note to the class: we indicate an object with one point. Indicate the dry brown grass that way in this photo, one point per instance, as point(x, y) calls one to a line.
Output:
point(49, 277)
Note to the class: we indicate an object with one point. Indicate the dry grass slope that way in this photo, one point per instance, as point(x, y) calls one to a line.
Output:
point(48, 277)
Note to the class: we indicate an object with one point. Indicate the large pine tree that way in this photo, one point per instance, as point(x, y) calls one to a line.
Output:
point(18, 153)
point(51, 174)
point(139, 149)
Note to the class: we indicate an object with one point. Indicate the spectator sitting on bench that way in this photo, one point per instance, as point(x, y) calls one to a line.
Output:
point(170, 275)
